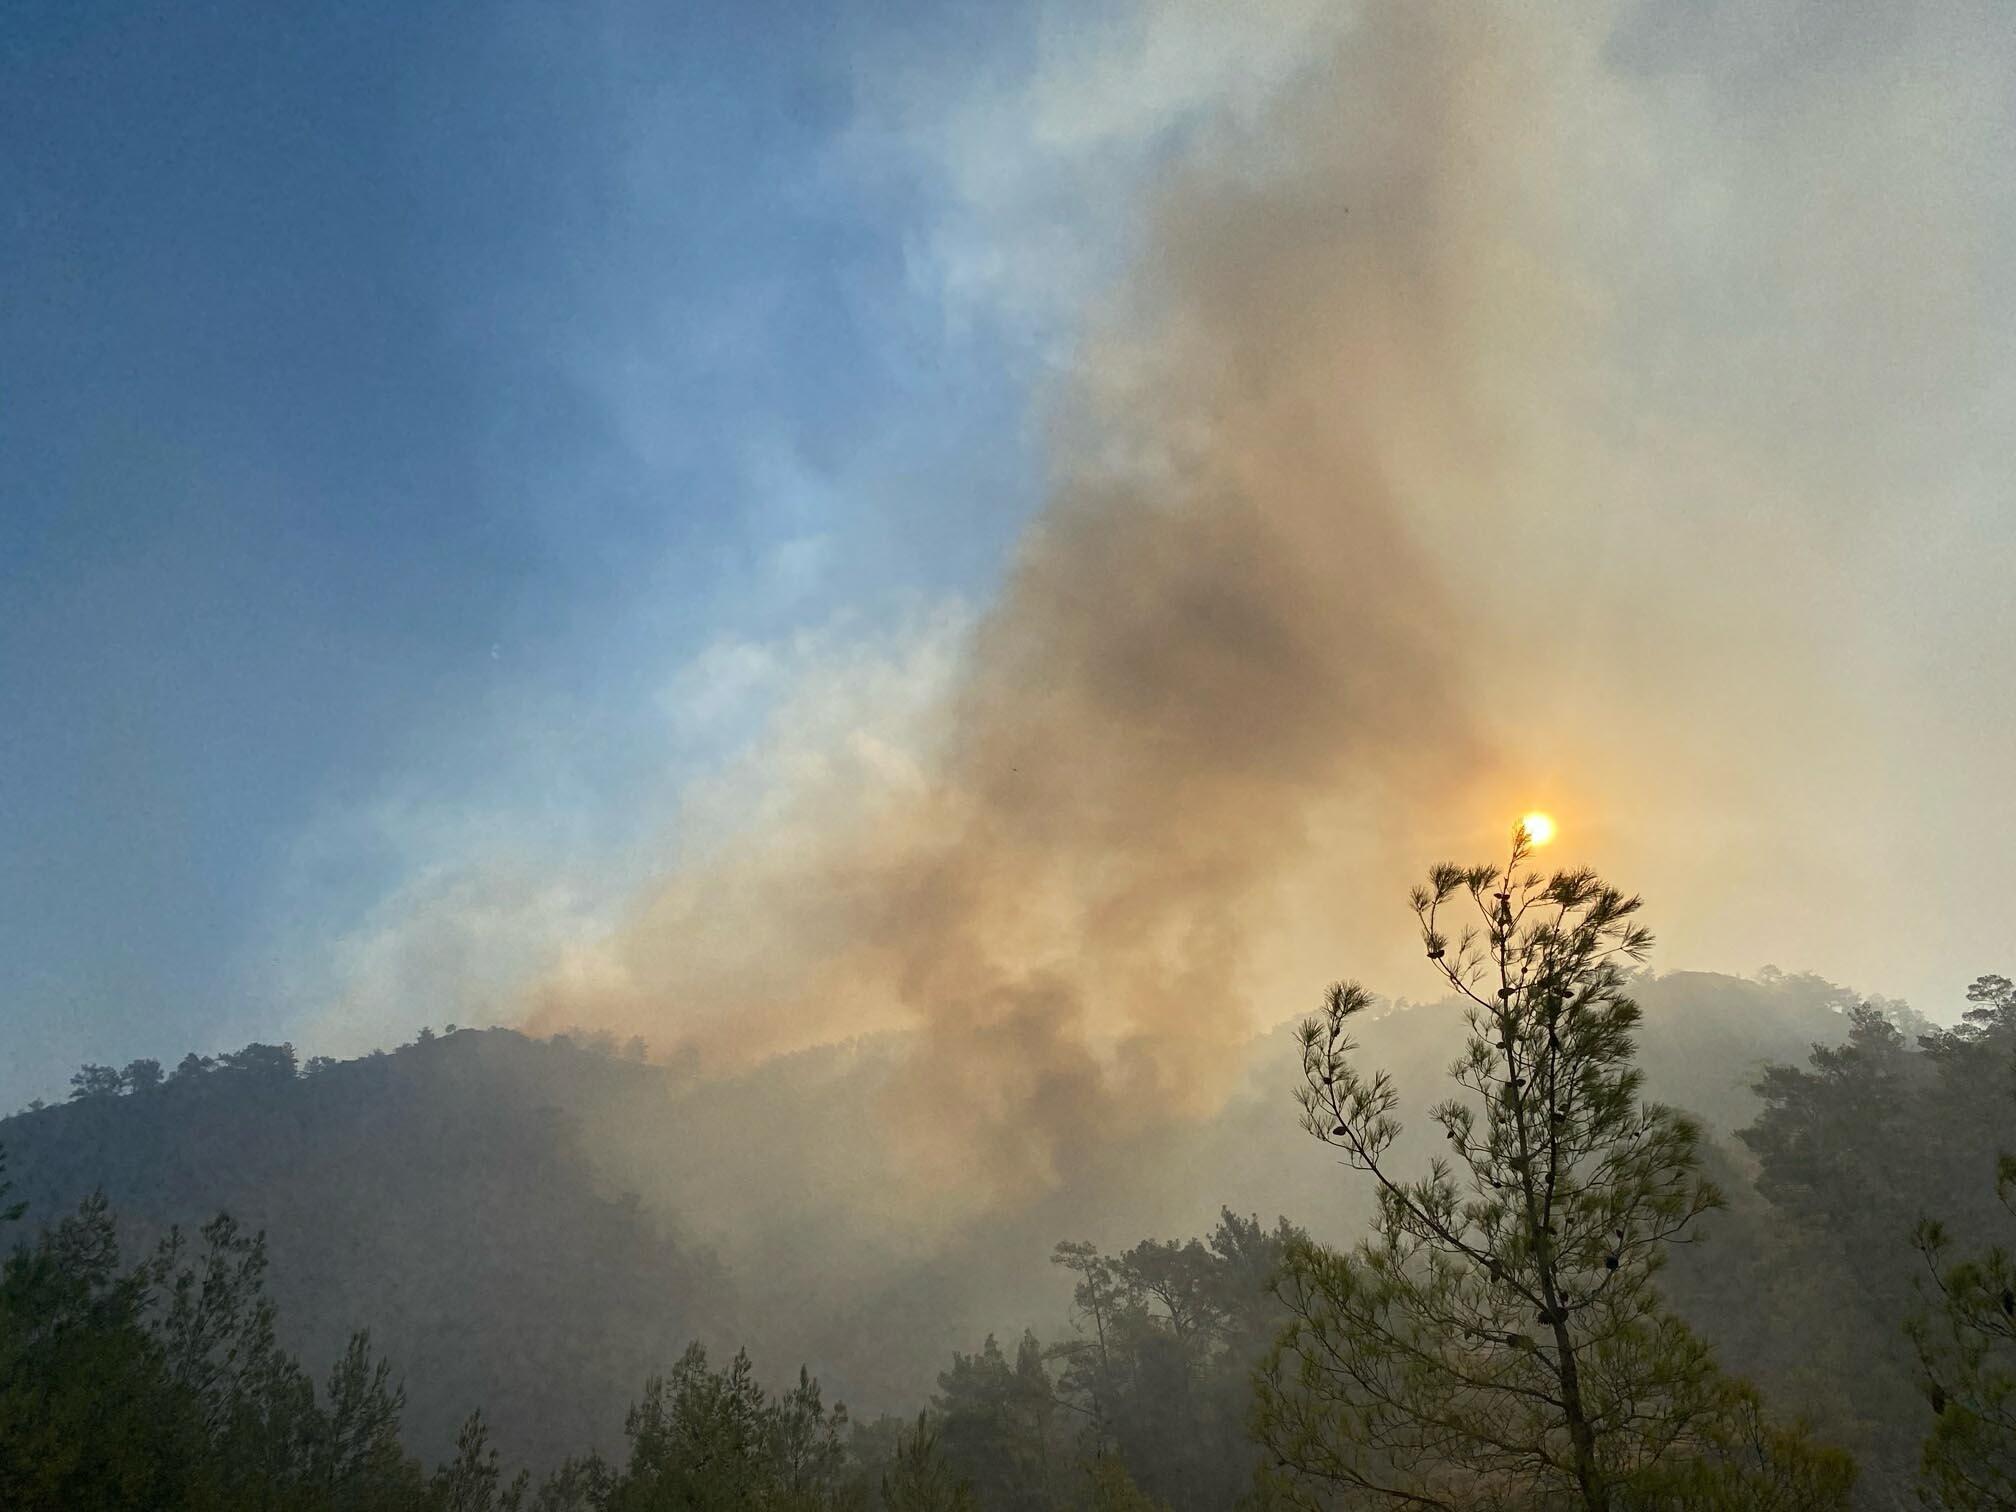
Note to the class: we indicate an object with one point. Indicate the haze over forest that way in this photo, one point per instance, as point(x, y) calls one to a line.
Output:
point(762, 656)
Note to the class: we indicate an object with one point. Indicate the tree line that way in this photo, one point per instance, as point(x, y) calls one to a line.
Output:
point(1512, 1333)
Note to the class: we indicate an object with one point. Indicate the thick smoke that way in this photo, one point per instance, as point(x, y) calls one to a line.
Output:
point(1220, 629)
point(1498, 416)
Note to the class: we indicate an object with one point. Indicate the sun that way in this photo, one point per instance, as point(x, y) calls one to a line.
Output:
point(1539, 827)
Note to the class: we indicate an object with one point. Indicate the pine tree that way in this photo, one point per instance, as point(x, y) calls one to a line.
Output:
point(360, 1463)
point(998, 1424)
point(919, 1480)
point(1161, 1370)
point(473, 1480)
point(1967, 1349)
point(806, 1451)
point(1498, 1341)
point(94, 1081)
point(1114, 1490)
point(9, 1211)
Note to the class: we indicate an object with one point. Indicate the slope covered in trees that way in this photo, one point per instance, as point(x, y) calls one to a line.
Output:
point(439, 1197)
point(479, 1176)
point(467, 1200)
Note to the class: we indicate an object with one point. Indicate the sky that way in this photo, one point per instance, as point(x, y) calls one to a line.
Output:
point(1028, 523)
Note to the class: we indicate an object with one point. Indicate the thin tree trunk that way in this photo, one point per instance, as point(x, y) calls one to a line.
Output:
point(1588, 1478)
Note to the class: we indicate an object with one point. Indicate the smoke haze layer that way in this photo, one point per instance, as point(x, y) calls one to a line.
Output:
point(1385, 488)
point(1220, 625)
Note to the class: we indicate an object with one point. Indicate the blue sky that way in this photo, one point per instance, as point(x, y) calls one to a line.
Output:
point(459, 463)
point(372, 368)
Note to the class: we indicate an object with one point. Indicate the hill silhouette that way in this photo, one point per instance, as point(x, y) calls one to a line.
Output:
point(439, 1196)
point(535, 1226)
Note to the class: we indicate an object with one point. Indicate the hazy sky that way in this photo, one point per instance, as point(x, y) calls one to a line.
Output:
point(750, 522)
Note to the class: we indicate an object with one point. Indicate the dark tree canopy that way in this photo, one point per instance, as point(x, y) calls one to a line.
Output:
point(518, 1308)
point(1499, 1341)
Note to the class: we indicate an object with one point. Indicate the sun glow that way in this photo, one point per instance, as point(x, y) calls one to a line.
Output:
point(1539, 828)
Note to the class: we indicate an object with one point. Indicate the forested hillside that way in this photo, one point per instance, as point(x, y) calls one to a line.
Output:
point(439, 1196)
point(538, 1228)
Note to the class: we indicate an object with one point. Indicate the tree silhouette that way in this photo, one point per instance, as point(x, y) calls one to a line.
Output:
point(1498, 1340)
point(919, 1480)
point(1967, 1349)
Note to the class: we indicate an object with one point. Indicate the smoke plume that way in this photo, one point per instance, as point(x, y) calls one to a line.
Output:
point(1437, 415)
point(1221, 627)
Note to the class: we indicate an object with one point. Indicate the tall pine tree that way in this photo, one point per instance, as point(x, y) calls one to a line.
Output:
point(1498, 1341)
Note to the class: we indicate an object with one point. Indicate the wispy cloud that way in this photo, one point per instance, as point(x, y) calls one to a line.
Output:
point(1449, 410)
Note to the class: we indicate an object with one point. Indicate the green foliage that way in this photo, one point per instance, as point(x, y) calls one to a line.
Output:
point(9, 1212)
point(805, 1448)
point(359, 1458)
point(436, 1197)
point(94, 1081)
point(999, 1426)
point(1114, 1490)
point(703, 1439)
point(473, 1481)
point(444, 1167)
point(272, 1062)
point(697, 1439)
point(141, 1076)
point(162, 1387)
point(1843, 1121)
point(88, 1416)
point(1854, 1150)
point(1966, 1348)
point(1498, 1341)
point(582, 1484)
point(1780, 1308)
point(919, 1480)
point(1989, 1026)
point(1742, 1461)
point(1169, 1335)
